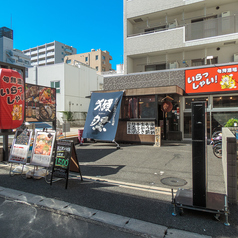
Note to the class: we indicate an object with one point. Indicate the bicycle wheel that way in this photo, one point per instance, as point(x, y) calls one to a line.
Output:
point(217, 150)
point(216, 133)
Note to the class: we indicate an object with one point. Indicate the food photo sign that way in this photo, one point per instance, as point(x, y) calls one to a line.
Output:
point(20, 146)
point(43, 148)
point(40, 103)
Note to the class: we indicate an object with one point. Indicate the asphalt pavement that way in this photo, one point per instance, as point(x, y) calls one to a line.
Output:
point(124, 188)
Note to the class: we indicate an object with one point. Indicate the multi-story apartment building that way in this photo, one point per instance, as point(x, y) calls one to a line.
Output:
point(176, 52)
point(179, 33)
point(50, 53)
point(7, 53)
point(97, 59)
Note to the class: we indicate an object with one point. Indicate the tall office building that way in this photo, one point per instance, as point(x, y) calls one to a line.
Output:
point(50, 53)
point(97, 59)
point(7, 53)
point(178, 33)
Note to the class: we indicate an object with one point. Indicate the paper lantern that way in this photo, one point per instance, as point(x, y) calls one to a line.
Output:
point(12, 100)
point(167, 106)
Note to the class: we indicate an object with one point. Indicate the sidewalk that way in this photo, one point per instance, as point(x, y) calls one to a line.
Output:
point(123, 188)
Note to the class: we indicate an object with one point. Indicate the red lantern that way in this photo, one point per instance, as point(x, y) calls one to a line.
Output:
point(167, 106)
point(12, 100)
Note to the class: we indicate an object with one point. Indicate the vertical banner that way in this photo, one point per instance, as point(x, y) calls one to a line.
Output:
point(12, 100)
point(20, 146)
point(103, 115)
point(43, 148)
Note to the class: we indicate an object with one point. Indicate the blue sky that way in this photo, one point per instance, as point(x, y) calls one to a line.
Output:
point(85, 25)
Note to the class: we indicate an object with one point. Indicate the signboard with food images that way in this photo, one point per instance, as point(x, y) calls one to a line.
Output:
point(20, 146)
point(43, 148)
point(40, 103)
point(65, 160)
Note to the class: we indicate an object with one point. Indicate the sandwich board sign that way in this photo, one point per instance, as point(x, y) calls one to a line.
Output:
point(65, 160)
point(43, 148)
point(20, 146)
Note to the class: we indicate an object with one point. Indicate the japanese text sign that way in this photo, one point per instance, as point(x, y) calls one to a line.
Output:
point(103, 114)
point(214, 79)
point(12, 101)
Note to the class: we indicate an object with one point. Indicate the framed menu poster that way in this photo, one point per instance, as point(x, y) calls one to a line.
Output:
point(20, 146)
point(43, 148)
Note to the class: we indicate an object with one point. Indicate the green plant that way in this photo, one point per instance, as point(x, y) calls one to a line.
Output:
point(69, 115)
point(230, 122)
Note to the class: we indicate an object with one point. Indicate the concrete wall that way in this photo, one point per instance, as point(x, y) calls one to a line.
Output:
point(229, 162)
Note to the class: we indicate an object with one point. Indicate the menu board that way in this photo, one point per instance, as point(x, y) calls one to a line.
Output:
point(20, 146)
point(40, 103)
point(64, 159)
point(141, 128)
point(43, 148)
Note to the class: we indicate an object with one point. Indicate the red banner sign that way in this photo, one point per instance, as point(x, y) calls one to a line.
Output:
point(12, 101)
point(214, 79)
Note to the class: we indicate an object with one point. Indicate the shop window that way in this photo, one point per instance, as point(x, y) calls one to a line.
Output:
point(139, 107)
point(188, 125)
point(225, 101)
point(188, 101)
point(147, 107)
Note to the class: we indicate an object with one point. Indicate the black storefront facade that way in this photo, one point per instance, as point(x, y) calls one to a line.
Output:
point(162, 99)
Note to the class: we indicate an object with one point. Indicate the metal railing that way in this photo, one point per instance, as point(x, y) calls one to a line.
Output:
point(203, 29)
point(212, 27)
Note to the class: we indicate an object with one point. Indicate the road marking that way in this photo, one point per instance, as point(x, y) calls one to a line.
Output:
point(134, 186)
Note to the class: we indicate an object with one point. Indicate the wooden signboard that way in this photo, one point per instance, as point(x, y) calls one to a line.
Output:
point(43, 148)
point(20, 146)
point(65, 160)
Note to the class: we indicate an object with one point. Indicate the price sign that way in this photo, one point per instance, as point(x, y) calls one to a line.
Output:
point(62, 160)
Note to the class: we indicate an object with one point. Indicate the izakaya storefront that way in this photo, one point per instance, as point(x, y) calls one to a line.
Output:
point(218, 86)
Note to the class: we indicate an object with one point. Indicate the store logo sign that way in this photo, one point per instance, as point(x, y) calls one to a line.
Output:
point(214, 79)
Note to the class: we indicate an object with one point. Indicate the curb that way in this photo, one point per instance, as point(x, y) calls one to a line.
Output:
point(134, 225)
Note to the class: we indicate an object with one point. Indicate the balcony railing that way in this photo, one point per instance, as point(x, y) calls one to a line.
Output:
point(210, 28)
point(202, 29)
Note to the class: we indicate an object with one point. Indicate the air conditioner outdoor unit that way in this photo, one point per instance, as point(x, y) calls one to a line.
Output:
point(236, 57)
point(226, 14)
point(174, 65)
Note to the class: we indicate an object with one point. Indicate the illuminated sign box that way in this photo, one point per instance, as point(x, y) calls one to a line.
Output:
point(214, 79)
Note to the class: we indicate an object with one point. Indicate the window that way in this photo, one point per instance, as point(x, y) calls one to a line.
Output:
point(97, 68)
point(198, 62)
point(225, 101)
point(68, 61)
point(96, 57)
point(55, 84)
point(103, 57)
point(138, 107)
point(188, 101)
point(86, 59)
point(155, 67)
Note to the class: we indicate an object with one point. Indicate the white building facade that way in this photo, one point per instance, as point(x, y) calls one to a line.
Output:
point(50, 53)
point(73, 84)
point(179, 33)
